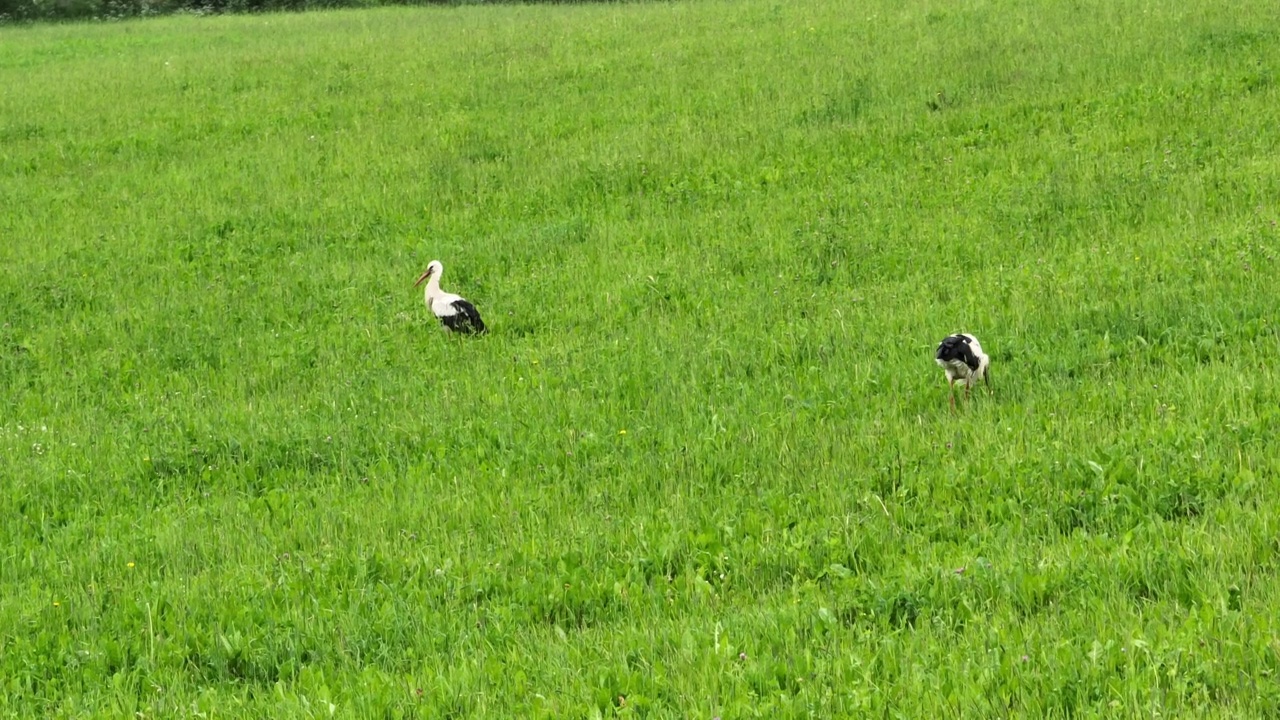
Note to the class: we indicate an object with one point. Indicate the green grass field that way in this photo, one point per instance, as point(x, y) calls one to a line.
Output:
point(703, 464)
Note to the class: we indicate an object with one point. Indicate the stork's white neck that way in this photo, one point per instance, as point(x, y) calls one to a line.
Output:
point(433, 286)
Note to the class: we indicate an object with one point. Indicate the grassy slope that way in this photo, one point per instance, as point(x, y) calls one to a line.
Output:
point(704, 459)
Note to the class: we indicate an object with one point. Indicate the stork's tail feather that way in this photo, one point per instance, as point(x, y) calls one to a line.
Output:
point(465, 320)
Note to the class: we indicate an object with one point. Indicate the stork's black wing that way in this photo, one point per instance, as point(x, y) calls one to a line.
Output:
point(465, 318)
point(956, 347)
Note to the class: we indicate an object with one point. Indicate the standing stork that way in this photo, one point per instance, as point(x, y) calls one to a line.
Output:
point(961, 357)
point(455, 313)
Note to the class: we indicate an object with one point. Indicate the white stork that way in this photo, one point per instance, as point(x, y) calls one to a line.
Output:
point(455, 313)
point(961, 357)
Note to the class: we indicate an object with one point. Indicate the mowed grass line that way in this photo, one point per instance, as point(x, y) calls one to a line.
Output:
point(703, 465)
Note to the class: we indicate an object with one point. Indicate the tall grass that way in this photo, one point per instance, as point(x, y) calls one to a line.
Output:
point(703, 464)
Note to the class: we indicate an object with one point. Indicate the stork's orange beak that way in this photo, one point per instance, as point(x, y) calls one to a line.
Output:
point(422, 277)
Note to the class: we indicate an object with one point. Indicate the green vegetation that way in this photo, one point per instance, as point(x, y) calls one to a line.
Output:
point(703, 464)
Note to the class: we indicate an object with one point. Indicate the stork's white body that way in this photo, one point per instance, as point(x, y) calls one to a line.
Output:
point(961, 357)
point(441, 303)
point(453, 311)
point(957, 370)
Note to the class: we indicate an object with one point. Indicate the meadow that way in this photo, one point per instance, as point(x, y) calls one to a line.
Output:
point(703, 464)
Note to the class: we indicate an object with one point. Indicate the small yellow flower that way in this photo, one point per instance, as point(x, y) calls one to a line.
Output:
point(130, 564)
point(622, 432)
point(57, 604)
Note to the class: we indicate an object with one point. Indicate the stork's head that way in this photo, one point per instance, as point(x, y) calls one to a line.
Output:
point(434, 269)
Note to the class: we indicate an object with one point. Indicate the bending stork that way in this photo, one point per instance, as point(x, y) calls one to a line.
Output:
point(454, 313)
point(961, 357)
